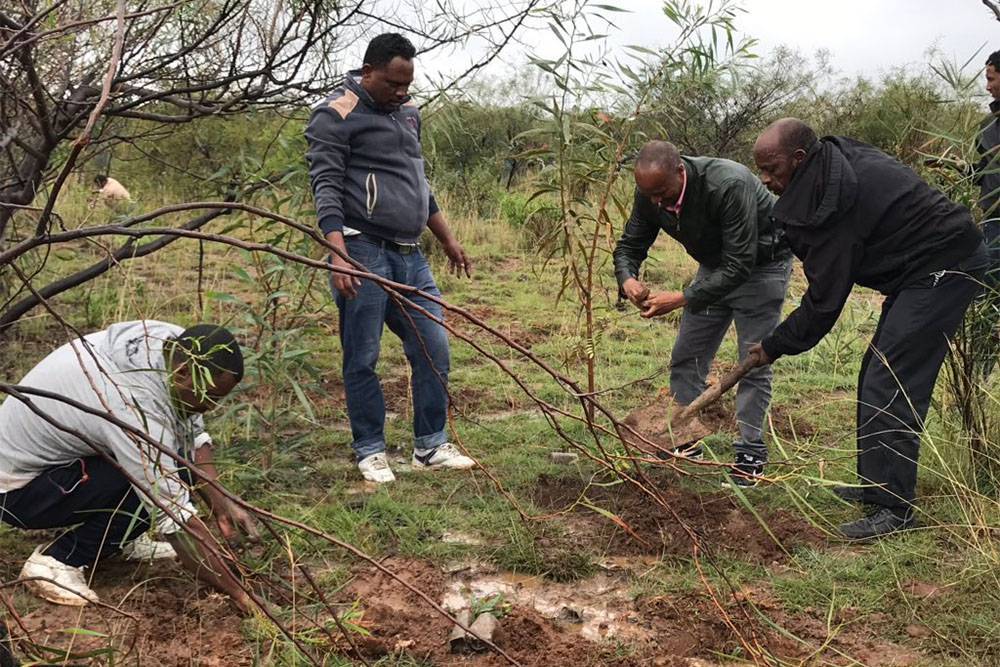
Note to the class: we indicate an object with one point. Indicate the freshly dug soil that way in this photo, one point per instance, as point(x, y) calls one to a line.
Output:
point(716, 520)
point(176, 622)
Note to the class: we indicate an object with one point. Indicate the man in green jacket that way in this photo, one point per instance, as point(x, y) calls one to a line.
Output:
point(720, 213)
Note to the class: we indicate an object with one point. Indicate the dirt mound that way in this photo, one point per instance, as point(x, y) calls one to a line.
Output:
point(655, 422)
point(717, 520)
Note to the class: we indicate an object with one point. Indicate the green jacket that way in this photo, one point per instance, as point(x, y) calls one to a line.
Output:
point(725, 224)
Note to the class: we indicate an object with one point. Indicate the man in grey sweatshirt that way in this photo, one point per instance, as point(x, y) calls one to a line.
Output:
point(373, 202)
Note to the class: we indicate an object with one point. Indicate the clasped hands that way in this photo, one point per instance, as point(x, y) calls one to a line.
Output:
point(652, 304)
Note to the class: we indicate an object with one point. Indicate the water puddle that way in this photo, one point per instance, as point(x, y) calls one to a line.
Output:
point(598, 608)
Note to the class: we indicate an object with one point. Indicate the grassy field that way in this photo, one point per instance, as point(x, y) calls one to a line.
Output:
point(540, 541)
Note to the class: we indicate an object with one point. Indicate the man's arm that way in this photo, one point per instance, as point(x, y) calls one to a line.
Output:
point(738, 218)
point(830, 263)
point(458, 260)
point(328, 154)
point(632, 249)
point(233, 520)
point(205, 564)
point(156, 477)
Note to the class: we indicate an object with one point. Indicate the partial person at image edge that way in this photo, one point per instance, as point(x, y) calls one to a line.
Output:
point(80, 470)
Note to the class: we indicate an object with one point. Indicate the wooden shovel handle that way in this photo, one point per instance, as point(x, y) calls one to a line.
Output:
point(713, 393)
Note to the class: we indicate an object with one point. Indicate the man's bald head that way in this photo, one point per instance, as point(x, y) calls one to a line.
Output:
point(780, 149)
point(788, 135)
point(659, 172)
point(662, 154)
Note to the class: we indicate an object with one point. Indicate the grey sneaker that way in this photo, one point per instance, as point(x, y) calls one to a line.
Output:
point(880, 522)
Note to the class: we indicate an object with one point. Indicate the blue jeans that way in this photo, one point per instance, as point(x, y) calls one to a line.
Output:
point(425, 343)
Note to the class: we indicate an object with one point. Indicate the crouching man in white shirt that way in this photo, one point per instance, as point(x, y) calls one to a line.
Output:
point(108, 484)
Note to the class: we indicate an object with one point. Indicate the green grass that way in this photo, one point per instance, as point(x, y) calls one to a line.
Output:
point(293, 457)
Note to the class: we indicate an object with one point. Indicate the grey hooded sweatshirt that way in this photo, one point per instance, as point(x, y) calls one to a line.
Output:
point(366, 166)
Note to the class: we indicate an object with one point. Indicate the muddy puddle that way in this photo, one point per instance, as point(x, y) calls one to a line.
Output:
point(595, 608)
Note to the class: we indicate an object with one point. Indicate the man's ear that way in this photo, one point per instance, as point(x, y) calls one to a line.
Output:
point(366, 70)
point(182, 373)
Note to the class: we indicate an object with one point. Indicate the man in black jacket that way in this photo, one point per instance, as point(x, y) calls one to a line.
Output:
point(720, 213)
point(855, 215)
point(988, 169)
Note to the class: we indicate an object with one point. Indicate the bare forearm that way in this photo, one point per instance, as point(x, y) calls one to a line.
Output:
point(204, 458)
point(205, 563)
point(440, 229)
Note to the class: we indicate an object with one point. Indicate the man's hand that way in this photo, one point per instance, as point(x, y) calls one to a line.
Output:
point(345, 284)
point(759, 356)
point(458, 261)
point(635, 291)
point(235, 524)
point(661, 303)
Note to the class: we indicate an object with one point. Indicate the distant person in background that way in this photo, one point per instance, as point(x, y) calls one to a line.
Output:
point(988, 169)
point(374, 202)
point(110, 190)
point(721, 215)
point(103, 483)
point(856, 216)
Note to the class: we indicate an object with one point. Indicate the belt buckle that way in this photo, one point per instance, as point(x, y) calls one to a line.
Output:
point(405, 248)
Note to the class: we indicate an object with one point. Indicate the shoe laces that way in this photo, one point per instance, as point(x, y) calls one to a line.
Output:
point(748, 459)
point(379, 462)
point(448, 449)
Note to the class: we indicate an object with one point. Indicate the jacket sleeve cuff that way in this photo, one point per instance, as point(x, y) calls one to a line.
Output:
point(432, 205)
point(772, 348)
point(331, 223)
point(622, 275)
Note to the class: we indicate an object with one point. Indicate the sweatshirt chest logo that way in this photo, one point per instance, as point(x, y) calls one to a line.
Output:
point(412, 122)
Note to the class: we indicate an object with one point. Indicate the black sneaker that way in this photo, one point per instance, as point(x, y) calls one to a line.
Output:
point(850, 494)
point(746, 472)
point(880, 522)
point(693, 451)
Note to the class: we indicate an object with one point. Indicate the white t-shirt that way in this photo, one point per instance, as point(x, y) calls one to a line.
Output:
point(121, 371)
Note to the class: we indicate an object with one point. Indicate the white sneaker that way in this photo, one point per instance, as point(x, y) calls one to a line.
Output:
point(145, 548)
point(375, 468)
point(444, 456)
point(72, 589)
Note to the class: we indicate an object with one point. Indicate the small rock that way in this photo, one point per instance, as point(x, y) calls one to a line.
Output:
point(456, 537)
point(403, 644)
point(564, 458)
point(459, 637)
point(918, 631)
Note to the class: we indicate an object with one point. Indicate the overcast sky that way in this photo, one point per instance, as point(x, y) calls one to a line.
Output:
point(862, 36)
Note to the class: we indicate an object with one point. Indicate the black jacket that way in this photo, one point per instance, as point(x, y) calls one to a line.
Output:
point(855, 215)
point(725, 224)
point(987, 171)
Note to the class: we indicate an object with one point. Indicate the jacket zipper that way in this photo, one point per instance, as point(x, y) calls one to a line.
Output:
point(371, 193)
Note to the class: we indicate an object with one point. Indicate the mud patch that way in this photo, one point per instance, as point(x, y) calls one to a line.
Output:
point(400, 621)
point(715, 519)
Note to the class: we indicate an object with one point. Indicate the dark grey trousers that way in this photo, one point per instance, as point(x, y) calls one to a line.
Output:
point(755, 307)
point(897, 377)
